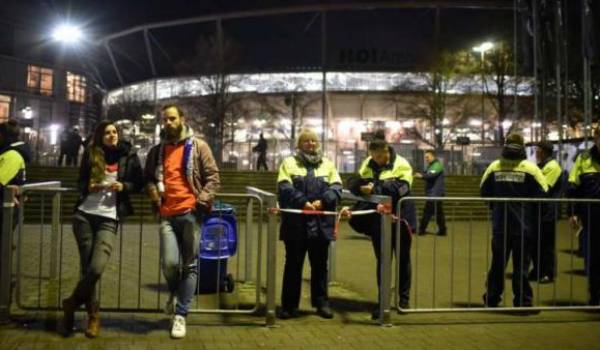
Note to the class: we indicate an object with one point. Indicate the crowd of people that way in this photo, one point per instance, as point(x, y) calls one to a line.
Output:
point(181, 178)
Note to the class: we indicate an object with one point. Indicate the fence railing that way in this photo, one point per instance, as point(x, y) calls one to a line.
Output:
point(47, 260)
point(450, 272)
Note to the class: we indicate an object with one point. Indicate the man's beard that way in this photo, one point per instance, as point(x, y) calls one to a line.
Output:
point(173, 133)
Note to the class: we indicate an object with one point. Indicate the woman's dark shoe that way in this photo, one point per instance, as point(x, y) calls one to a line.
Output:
point(69, 306)
point(93, 326)
point(325, 312)
point(286, 314)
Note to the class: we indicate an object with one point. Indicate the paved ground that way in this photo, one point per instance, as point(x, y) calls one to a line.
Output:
point(448, 272)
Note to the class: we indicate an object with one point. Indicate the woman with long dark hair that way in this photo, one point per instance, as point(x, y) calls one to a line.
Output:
point(110, 170)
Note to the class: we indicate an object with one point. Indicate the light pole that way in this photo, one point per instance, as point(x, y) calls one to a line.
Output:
point(486, 46)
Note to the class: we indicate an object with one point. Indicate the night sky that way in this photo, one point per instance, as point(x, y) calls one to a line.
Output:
point(378, 39)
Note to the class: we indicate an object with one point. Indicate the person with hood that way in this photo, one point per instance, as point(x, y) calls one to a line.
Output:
point(513, 223)
point(434, 187)
point(584, 182)
point(387, 173)
point(261, 149)
point(308, 181)
point(110, 170)
point(182, 179)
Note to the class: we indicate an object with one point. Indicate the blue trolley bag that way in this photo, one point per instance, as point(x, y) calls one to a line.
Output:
point(218, 242)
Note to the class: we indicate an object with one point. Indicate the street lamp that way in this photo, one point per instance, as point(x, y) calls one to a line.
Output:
point(486, 46)
point(67, 33)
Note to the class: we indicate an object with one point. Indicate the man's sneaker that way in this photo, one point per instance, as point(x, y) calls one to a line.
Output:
point(178, 328)
point(170, 305)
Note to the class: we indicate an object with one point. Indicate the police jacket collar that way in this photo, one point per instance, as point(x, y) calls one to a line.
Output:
point(390, 165)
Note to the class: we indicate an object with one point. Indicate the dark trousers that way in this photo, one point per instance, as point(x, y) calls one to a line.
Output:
point(295, 251)
point(261, 162)
point(72, 159)
point(593, 253)
point(61, 157)
point(404, 258)
point(543, 254)
point(519, 247)
point(431, 208)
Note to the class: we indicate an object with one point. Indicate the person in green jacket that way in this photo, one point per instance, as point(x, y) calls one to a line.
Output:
point(434, 187)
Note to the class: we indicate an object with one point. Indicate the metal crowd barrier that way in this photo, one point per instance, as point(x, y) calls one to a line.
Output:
point(47, 260)
point(454, 279)
point(385, 258)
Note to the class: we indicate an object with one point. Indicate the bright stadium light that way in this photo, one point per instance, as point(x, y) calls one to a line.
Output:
point(67, 33)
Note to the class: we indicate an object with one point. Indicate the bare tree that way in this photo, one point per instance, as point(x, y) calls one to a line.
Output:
point(436, 102)
point(498, 68)
point(212, 65)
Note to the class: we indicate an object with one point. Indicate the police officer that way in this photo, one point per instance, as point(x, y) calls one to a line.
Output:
point(543, 253)
point(386, 173)
point(513, 223)
point(309, 181)
point(434, 187)
point(584, 182)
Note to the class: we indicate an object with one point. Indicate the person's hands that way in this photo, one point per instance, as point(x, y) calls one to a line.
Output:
point(318, 205)
point(575, 222)
point(382, 209)
point(95, 187)
point(345, 212)
point(309, 206)
point(418, 175)
point(117, 186)
point(367, 189)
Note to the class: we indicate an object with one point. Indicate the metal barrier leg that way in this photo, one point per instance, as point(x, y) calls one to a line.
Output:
point(249, 241)
point(332, 263)
point(271, 262)
point(385, 268)
point(54, 235)
point(8, 207)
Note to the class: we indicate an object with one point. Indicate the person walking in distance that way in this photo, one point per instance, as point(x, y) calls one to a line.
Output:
point(261, 149)
point(434, 187)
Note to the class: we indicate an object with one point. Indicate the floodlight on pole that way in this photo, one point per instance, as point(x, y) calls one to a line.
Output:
point(67, 33)
point(482, 48)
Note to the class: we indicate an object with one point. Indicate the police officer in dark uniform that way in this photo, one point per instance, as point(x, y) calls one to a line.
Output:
point(513, 223)
point(309, 181)
point(434, 187)
point(386, 173)
point(543, 253)
point(584, 182)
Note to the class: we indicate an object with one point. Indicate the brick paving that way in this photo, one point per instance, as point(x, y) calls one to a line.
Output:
point(353, 296)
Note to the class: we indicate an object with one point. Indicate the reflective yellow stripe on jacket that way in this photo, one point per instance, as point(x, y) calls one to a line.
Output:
point(584, 164)
point(11, 162)
point(292, 167)
point(401, 170)
point(552, 172)
point(515, 166)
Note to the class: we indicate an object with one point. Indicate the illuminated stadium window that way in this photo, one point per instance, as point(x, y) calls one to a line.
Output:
point(4, 108)
point(76, 87)
point(39, 80)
